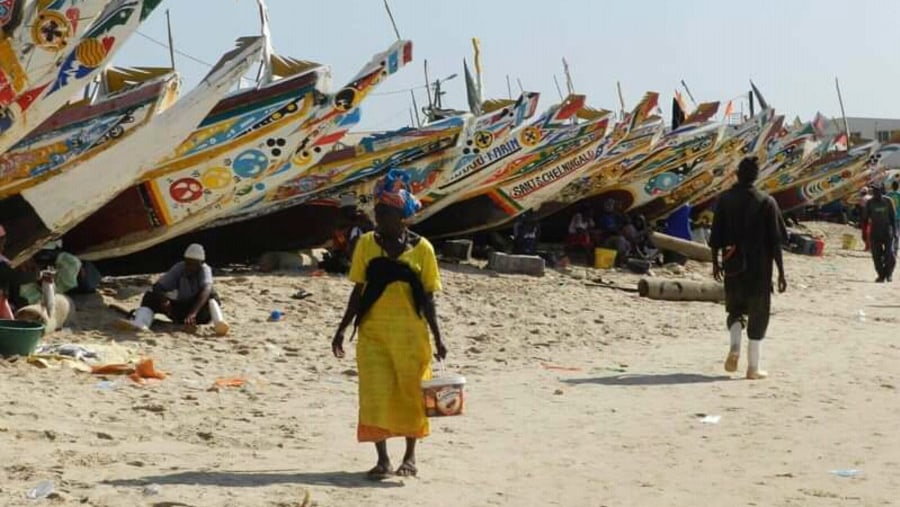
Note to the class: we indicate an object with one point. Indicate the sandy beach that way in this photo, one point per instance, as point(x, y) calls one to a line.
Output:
point(578, 394)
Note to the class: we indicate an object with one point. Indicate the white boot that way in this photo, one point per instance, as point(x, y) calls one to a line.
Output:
point(143, 319)
point(734, 353)
point(753, 353)
point(218, 320)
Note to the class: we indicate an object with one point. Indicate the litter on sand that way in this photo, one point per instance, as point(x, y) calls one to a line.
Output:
point(711, 419)
point(848, 472)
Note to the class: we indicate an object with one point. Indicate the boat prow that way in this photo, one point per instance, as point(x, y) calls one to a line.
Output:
point(52, 207)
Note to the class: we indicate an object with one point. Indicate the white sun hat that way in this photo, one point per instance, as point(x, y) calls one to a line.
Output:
point(195, 252)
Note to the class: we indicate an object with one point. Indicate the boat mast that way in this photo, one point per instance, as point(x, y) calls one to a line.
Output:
point(171, 43)
point(415, 107)
point(621, 100)
point(569, 84)
point(428, 87)
point(558, 89)
point(390, 14)
point(688, 90)
point(837, 86)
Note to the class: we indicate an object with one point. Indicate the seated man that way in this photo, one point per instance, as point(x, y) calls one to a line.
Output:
point(185, 294)
point(579, 238)
point(612, 224)
point(11, 279)
point(66, 266)
point(526, 234)
point(637, 233)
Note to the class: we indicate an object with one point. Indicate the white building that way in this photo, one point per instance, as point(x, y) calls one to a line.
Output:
point(882, 130)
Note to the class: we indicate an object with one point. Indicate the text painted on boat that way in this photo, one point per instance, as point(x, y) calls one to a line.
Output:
point(489, 157)
point(540, 181)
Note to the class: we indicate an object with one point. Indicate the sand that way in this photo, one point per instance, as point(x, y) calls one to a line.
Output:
point(577, 395)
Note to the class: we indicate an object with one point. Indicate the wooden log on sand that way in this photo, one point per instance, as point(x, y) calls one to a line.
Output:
point(681, 290)
point(689, 249)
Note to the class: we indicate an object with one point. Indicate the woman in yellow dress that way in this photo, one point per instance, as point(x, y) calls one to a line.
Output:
point(392, 306)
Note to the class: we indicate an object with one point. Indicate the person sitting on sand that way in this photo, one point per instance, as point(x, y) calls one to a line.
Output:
point(637, 234)
point(392, 307)
point(526, 234)
point(354, 224)
point(612, 231)
point(579, 238)
point(66, 268)
point(11, 281)
point(184, 294)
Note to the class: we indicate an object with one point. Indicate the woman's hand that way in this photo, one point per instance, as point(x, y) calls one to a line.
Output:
point(440, 350)
point(337, 344)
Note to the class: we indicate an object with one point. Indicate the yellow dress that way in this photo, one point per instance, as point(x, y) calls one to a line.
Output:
point(393, 353)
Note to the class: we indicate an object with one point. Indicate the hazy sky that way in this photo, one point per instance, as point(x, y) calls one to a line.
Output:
point(792, 49)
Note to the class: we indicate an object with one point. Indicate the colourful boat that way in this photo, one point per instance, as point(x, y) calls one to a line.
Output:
point(679, 155)
point(36, 36)
point(526, 181)
point(636, 143)
point(77, 65)
point(829, 173)
point(53, 206)
point(738, 141)
point(486, 141)
point(340, 170)
point(129, 100)
point(182, 196)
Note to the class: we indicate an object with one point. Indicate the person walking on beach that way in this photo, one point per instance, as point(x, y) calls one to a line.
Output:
point(880, 217)
point(395, 273)
point(748, 230)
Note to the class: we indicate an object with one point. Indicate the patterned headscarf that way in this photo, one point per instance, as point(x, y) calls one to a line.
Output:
point(394, 190)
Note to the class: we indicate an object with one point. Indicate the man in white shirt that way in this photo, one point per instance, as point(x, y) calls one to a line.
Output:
point(185, 294)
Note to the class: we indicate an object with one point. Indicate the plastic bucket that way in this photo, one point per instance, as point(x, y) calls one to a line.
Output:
point(819, 250)
point(604, 258)
point(849, 242)
point(19, 338)
point(444, 396)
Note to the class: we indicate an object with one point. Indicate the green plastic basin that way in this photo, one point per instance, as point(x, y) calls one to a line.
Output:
point(19, 338)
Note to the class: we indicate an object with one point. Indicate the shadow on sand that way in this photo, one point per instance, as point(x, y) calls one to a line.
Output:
point(258, 478)
point(667, 379)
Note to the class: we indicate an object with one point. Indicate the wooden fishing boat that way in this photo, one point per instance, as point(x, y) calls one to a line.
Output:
point(128, 101)
point(486, 141)
point(639, 136)
point(553, 133)
point(36, 36)
point(53, 206)
point(533, 178)
point(782, 155)
point(679, 155)
point(340, 170)
point(304, 225)
point(181, 197)
point(745, 139)
point(37, 97)
point(831, 172)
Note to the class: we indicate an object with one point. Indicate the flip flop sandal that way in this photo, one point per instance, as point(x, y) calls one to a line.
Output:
point(379, 473)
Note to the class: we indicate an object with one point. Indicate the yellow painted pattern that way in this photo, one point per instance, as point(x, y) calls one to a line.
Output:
point(10, 66)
